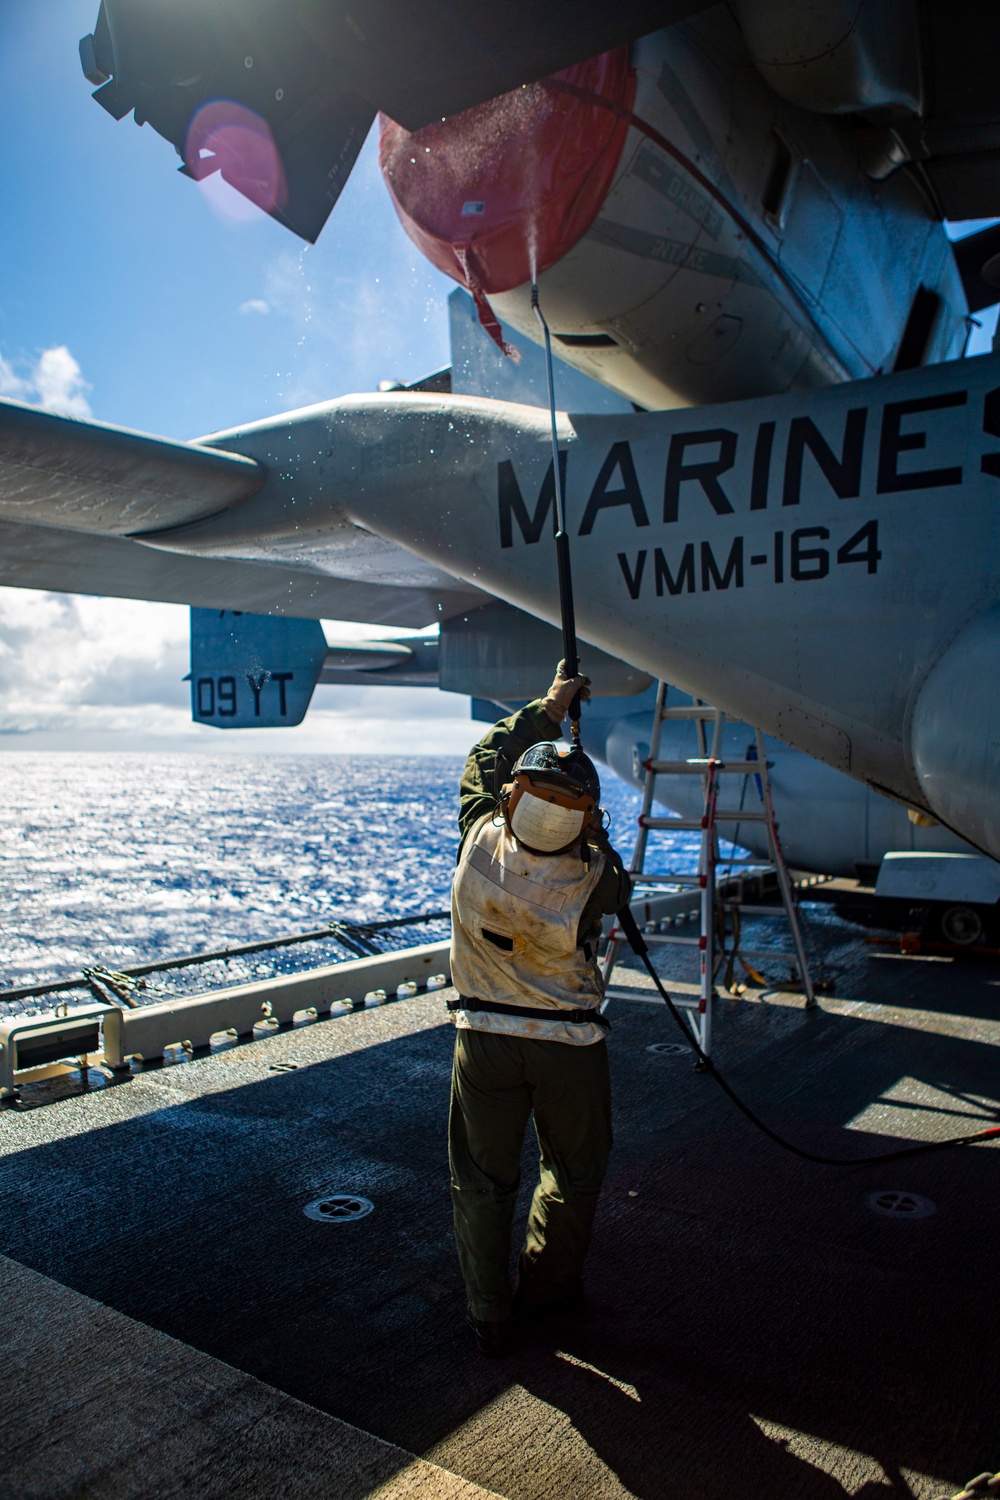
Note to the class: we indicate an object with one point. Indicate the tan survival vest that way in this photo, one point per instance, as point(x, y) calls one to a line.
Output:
point(515, 918)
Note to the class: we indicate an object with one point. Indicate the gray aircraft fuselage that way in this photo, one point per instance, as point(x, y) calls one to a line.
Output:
point(823, 564)
point(827, 822)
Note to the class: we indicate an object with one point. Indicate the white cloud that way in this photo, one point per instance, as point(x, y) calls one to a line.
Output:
point(80, 673)
point(54, 381)
point(11, 384)
point(255, 305)
point(60, 384)
point(73, 664)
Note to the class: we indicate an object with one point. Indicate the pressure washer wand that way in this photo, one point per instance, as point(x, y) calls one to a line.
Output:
point(570, 654)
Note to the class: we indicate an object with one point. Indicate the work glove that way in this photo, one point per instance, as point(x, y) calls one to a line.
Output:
point(562, 692)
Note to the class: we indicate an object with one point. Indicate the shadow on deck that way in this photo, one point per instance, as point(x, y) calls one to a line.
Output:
point(754, 1329)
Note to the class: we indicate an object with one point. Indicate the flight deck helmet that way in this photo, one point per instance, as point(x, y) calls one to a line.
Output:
point(553, 800)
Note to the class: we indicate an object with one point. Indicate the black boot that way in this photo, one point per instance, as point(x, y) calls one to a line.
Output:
point(495, 1340)
point(570, 1304)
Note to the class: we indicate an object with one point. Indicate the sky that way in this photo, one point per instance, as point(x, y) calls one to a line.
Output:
point(130, 294)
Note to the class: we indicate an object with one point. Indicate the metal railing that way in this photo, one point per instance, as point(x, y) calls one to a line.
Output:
point(222, 967)
point(132, 1019)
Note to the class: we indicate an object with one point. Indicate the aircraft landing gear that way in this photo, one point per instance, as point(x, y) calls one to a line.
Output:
point(961, 925)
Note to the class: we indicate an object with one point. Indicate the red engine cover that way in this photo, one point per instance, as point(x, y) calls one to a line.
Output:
point(495, 195)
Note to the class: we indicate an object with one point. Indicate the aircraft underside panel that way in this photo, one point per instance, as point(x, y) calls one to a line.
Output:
point(279, 99)
point(702, 278)
point(828, 822)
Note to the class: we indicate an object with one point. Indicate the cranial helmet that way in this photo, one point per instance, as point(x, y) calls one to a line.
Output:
point(553, 800)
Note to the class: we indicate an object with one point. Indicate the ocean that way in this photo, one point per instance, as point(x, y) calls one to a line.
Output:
point(123, 859)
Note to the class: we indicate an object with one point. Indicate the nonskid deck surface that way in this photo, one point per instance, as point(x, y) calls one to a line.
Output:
point(128, 1413)
point(753, 1328)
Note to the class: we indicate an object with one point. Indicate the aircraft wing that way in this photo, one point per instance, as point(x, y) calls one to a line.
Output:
point(59, 471)
point(75, 497)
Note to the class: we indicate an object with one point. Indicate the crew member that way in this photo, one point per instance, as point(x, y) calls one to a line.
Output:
point(535, 875)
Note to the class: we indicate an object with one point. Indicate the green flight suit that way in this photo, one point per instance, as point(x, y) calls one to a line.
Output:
point(500, 1080)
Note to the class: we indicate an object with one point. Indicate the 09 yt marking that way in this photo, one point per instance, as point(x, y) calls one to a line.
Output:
point(218, 695)
point(798, 556)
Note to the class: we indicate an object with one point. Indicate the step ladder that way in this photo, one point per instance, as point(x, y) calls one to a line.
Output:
point(715, 771)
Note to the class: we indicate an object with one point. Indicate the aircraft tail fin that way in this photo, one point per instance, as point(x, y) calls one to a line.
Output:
point(253, 671)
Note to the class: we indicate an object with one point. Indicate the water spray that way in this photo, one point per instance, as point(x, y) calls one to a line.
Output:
point(570, 655)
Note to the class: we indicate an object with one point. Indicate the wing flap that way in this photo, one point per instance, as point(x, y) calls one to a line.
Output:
point(40, 557)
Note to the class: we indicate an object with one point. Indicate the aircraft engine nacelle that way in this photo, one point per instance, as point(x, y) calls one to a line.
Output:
point(695, 238)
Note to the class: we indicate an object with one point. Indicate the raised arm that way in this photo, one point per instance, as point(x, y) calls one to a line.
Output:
point(490, 761)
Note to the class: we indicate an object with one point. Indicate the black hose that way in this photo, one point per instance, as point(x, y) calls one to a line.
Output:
point(640, 948)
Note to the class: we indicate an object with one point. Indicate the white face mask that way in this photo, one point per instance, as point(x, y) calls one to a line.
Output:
point(545, 825)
